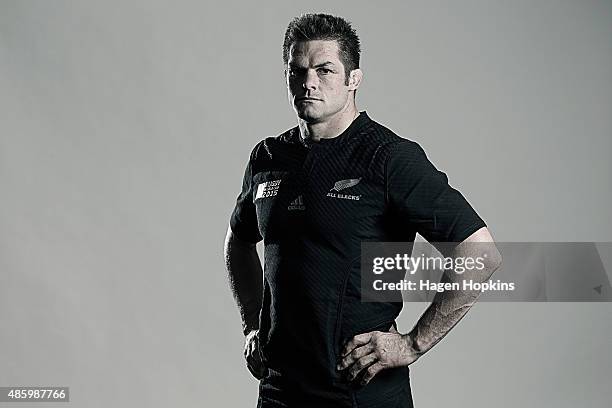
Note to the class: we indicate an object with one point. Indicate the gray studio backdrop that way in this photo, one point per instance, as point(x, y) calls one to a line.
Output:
point(124, 131)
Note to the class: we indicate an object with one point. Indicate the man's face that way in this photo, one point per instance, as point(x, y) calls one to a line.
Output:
point(316, 80)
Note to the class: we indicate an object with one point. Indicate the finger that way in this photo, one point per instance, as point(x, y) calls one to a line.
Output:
point(253, 358)
point(361, 364)
point(370, 372)
point(252, 346)
point(356, 341)
point(355, 355)
point(248, 348)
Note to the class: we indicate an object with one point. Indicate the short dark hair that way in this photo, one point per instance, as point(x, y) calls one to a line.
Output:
point(308, 27)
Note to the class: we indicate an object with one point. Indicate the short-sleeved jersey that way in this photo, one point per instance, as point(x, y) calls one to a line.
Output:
point(313, 204)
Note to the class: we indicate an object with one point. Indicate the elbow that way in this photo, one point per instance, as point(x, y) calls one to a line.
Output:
point(493, 260)
point(232, 241)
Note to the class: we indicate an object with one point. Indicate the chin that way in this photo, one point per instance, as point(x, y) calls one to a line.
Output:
point(308, 115)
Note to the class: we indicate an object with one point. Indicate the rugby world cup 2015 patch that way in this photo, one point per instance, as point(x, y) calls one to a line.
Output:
point(267, 189)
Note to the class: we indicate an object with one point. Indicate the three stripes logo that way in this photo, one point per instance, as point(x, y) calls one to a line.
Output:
point(343, 185)
point(297, 204)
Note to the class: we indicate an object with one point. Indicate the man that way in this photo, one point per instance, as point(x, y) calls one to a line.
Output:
point(313, 194)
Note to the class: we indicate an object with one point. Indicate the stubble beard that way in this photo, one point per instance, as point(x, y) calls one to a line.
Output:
point(308, 114)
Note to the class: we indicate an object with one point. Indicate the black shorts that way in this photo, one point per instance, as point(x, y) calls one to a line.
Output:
point(388, 389)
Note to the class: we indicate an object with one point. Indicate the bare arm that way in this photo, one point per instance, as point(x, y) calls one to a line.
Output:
point(368, 353)
point(246, 281)
point(245, 278)
point(449, 307)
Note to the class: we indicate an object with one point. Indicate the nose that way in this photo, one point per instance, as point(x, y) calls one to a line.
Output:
point(311, 79)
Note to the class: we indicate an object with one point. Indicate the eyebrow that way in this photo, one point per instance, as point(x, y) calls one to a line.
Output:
point(293, 65)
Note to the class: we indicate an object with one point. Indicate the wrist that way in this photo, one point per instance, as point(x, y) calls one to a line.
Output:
point(250, 319)
point(414, 349)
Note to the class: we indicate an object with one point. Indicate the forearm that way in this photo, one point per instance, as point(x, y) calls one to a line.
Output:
point(449, 307)
point(245, 278)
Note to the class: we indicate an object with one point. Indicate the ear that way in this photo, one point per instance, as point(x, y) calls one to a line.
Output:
point(355, 78)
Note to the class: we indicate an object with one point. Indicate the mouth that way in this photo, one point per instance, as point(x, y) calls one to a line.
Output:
point(304, 99)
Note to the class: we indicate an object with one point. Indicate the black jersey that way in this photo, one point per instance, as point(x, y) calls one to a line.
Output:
point(313, 203)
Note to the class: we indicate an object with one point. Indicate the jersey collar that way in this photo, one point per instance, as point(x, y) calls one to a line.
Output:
point(361, 120)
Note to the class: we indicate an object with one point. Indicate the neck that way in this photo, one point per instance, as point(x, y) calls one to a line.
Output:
point(329, 128)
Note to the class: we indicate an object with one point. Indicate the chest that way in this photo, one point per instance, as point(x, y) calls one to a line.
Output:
point(322, 192)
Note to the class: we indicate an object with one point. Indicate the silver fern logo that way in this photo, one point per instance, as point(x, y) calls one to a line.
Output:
point(343, 185)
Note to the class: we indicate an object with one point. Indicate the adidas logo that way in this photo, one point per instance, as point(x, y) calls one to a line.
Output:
point(297, 204)
point(343, 185)
point(267, 189)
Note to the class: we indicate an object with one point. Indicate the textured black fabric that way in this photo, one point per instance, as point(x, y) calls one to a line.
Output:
point(313, 203)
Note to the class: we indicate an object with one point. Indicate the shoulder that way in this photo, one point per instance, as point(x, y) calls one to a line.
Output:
point(268, 146)
point(279, 152)
point(387, 143)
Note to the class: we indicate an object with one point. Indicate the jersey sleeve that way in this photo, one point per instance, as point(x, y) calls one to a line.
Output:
point(243, 220)
point(419, 195)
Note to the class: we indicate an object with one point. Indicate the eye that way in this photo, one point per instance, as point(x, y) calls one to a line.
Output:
point(324, 71)
point(294, 72)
